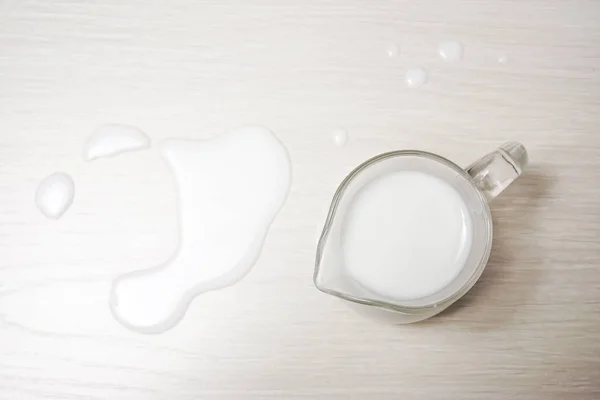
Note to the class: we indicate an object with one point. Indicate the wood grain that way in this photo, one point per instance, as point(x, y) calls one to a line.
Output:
point(192, 69)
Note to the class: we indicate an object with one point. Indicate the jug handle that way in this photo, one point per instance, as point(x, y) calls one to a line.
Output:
point(495, 171)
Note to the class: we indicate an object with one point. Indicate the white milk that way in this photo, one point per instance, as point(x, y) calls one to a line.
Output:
point(406, 236)
point(392, 50)
point(415, 78)
point(110, 140)
point(229, 188)
point(340, 137)
point(450, 51)
point(54, 194)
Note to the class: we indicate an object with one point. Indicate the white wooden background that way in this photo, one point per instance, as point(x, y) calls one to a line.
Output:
point(193, 69)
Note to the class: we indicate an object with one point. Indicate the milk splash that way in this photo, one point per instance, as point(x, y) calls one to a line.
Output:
point(229, 189)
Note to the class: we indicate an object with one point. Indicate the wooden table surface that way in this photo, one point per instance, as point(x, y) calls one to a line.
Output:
point(192, 69)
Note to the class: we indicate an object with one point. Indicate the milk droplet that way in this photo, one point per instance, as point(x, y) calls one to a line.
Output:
point(502, 59)
point(112, 139)
point(392, 50)
point(54, 194)
point(340, 137)
point(229, 190)
point(450, 51)
point(416, 77)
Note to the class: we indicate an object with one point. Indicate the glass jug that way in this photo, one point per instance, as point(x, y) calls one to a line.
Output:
point(477, 185)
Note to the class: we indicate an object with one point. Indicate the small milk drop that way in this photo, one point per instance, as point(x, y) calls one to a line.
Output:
point(392, 50)
point(340, 137)
point(415, 78)
point(450, 51)
point(502, 59)
point(112, 139)
point(55, 195)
